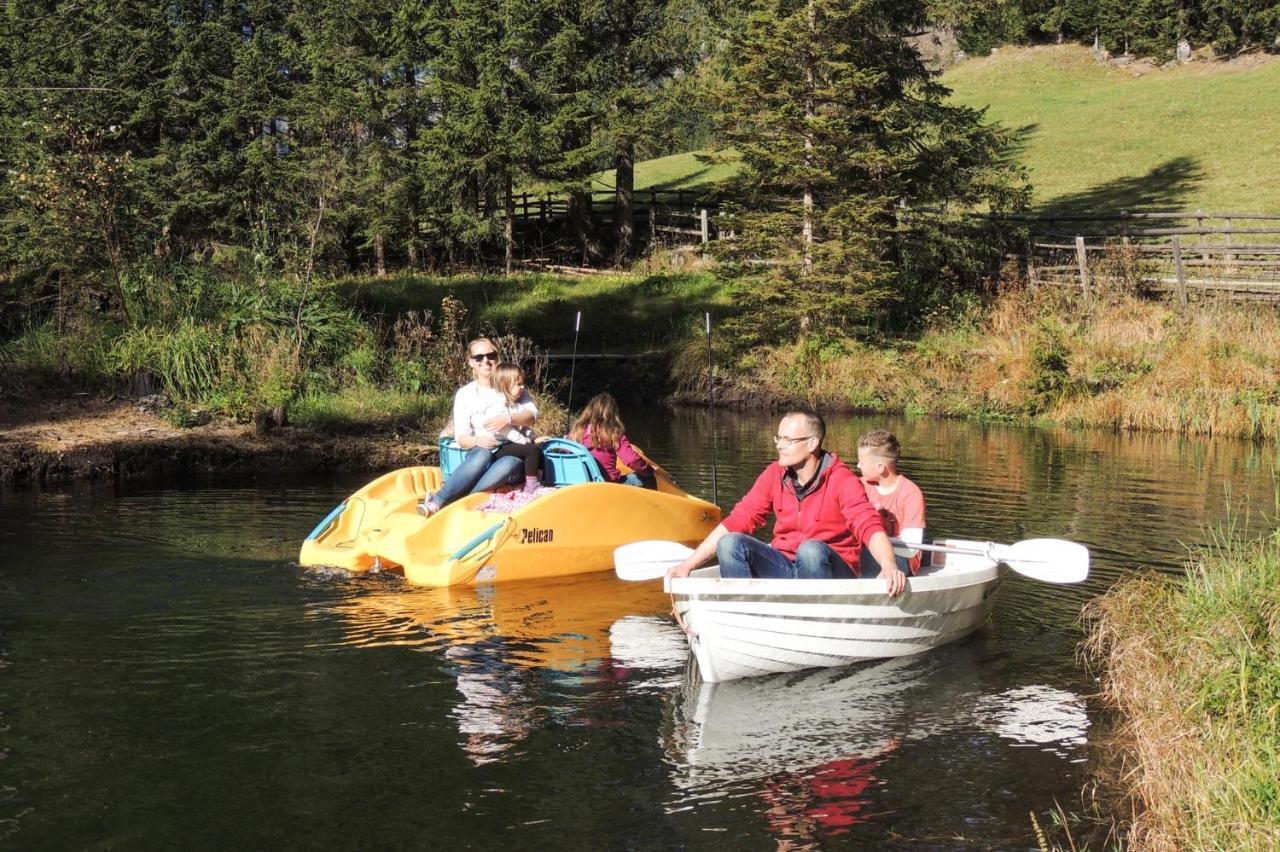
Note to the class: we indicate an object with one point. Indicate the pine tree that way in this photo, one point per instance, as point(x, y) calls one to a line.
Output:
point(839, 123)
point(644, 52)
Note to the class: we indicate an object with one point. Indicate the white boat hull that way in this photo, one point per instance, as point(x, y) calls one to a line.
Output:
point(743, 628)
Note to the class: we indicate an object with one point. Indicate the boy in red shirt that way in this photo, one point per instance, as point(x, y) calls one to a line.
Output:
point(899, 501)
point(823, 517)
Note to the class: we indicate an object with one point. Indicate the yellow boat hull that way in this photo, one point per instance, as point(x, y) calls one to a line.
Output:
point(572, 530)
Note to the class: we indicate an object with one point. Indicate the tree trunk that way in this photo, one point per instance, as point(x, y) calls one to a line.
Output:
point(380, 255)
point(623, 210)
point(806, 228)
point(470, 207)
point(509, 233)
point(580, 222)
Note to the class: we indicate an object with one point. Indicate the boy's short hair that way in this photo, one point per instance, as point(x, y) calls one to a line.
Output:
point(882, 443)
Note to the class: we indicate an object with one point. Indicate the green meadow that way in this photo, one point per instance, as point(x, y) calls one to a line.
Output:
point(1095, 137)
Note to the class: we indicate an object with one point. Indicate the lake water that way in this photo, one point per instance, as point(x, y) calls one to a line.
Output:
point(170, 678)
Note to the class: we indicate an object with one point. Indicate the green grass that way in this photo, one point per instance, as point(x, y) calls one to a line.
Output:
point(1194, 666)
point(699, 170)
point(620, 313)
point(1200, 136)
point(358, 409)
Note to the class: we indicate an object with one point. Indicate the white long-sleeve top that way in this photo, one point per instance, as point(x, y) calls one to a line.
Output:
point(473, 405)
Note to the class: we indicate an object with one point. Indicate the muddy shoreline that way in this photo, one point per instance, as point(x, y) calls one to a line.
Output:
point(84, 437)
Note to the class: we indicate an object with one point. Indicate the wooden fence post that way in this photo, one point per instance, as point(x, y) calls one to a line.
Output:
point(1231, 257)
point(1179, 272)
point(1032, 280)
point(705, 226)
point(1083, 261)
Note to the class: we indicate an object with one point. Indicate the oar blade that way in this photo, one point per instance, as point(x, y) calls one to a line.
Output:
point(648, 560)
point(1049, 560)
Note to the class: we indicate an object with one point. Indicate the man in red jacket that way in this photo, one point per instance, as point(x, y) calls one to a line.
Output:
point(823, 517)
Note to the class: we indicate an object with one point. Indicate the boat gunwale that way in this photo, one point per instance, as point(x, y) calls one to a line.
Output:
point(696, 587)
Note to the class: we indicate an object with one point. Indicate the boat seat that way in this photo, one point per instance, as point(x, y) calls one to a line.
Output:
point(565, 462)
point(451, 455)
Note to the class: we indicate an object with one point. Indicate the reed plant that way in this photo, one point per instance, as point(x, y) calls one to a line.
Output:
point(1193, 666)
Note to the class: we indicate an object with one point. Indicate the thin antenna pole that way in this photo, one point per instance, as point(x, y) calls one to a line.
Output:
point(711, 410)
point(573, 364)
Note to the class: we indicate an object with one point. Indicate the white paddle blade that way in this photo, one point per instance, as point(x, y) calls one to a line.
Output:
point(1049, 560)
point(648, 560)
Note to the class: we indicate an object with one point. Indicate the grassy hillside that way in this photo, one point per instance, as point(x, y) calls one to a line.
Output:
point(1204, 135)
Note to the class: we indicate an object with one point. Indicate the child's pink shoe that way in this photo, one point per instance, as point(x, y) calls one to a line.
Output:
point(428, 507)
point(531, 484)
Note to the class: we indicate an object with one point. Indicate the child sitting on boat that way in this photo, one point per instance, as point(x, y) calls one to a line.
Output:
point(517, 441)
point(899, 501)
point(600, 429)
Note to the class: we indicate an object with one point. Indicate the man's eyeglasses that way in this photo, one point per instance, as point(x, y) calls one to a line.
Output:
point(780, 441)
point(484, 356)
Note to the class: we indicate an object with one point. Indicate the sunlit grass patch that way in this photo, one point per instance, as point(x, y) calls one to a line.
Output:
point(1097, 137)
point(356, 409)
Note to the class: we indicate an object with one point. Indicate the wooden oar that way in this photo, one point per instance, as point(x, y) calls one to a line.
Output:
point(1049, 560)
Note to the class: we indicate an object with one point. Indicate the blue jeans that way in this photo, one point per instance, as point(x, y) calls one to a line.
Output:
point(743, 556)
point(871, 568)
point(479, 471)
point(638, 481)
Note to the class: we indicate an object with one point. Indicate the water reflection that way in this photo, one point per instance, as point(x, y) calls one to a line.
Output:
point(509, 644)
point(814, 753)
point(167, 672)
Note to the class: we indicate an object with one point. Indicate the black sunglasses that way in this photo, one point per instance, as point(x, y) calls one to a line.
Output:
point(484, 356)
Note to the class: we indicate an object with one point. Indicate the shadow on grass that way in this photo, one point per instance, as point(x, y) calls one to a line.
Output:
point(691, 183)
point(623, 313)
point(1019, 139)
point(1165, 187)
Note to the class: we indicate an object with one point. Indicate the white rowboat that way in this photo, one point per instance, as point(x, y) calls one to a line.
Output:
point(747, 627)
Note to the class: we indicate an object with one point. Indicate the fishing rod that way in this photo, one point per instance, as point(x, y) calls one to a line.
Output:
point(711, 411)
point(573, 364)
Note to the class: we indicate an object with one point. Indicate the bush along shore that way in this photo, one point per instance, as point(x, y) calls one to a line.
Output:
point(1193, 666)
point(376, 361)
point(1037, 358)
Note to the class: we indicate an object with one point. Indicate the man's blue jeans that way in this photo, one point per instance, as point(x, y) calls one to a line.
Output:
point(479, 472)
point(743, 556)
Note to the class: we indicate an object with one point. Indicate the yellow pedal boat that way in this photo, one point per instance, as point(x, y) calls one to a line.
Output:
point(572, 529)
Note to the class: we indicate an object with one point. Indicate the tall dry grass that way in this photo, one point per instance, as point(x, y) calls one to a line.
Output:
point(1194, 669)
point(1122, 362)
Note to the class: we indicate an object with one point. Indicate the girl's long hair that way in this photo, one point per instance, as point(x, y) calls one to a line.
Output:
point(505, 377)
point(601, 416)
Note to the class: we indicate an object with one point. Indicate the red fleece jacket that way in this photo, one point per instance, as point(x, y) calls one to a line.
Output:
point(837, 511)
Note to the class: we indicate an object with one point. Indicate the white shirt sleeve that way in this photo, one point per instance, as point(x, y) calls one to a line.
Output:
point(526, 404)
point(463, 404)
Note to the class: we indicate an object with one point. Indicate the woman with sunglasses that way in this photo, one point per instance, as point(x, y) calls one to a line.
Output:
point(480, 414)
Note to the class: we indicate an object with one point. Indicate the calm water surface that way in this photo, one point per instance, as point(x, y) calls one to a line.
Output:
point(170, 678)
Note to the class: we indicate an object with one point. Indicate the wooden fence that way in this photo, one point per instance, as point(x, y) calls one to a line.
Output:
point(672, 215)
point(1162, 251)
